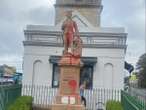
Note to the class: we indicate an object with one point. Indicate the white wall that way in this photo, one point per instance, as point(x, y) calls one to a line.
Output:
point(112, 59)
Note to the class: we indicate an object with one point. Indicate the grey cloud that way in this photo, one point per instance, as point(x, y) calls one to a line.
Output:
point(10, 40)
point(14, 18)
point(131, 15)
point(42, 15)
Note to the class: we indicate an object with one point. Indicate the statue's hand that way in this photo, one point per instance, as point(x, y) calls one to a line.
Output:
point(63, 28)
point(76, 34)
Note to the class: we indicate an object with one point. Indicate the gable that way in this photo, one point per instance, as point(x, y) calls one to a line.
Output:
point(79, 19)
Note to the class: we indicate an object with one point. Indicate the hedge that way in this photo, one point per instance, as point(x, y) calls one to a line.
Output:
point(22, 103)
point(114, 105)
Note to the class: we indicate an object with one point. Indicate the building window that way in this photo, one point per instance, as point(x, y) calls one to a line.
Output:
point(86, 75)
point(55, 79)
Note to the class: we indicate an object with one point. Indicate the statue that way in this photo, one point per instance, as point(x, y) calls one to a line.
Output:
point(71, 35)
point(68, 97)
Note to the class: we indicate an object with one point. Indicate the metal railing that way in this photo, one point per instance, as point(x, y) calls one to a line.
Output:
point(2, 95)
point(8, 94)
point(87, 40)
point(132, 102)
point(138, 93)
point(97, 2)
point(44, 96)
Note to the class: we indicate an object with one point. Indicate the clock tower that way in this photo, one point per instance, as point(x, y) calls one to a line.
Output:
point(90, 9)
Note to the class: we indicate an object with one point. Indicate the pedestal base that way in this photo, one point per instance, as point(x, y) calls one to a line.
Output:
point(68, 97)
point(67, 107)
point(72, 99)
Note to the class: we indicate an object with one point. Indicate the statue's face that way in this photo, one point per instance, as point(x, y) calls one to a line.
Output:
point(69, 14)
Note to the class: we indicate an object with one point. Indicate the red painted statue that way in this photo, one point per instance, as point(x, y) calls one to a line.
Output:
point(71, 35)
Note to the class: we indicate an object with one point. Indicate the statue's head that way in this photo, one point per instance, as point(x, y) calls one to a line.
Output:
point(69, 13)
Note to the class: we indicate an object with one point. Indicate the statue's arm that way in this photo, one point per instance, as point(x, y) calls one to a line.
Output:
point(76, 29)
point(63, 26)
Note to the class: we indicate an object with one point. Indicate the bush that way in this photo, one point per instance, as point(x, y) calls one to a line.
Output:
point(114, 105)
point(22, 103)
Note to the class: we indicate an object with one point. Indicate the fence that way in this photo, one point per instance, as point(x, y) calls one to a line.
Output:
point(8, 94)
point(44, 96)
point(138, 93)
point(132, 102)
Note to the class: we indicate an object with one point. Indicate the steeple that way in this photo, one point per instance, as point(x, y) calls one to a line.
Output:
point(90, 9)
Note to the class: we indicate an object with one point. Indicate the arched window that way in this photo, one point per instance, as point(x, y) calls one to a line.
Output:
point(108, 75)
point(37, 69)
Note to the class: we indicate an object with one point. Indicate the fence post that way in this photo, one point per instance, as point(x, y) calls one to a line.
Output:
point(131, 103)
point(8, 94)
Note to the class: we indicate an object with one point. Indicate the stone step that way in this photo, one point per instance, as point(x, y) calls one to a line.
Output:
point(67, 107)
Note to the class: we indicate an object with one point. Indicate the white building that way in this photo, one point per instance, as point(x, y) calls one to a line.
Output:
point(103, 51)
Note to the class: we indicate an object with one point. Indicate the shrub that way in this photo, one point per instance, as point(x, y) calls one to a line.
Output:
point(114, 105)
point(22, 103)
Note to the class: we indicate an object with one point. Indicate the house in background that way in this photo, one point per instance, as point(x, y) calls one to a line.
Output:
point(103, 48)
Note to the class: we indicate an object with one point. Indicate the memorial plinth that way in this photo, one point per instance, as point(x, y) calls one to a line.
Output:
point(68, 97)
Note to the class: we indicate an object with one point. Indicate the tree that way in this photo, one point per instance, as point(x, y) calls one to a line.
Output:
point(1, 71)
point(5, 69)
point(141, 65)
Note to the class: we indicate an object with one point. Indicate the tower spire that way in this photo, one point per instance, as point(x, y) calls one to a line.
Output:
point(90, 9)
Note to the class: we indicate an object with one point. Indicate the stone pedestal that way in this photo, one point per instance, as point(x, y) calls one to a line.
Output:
point(69, 79)
point(68, 97)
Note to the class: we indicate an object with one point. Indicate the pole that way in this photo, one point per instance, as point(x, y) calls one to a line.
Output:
point(145, 26)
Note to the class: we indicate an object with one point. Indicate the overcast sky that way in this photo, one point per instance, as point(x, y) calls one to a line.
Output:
point(16, 14)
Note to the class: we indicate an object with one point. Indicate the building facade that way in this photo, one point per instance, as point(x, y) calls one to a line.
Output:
point(103, 48)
